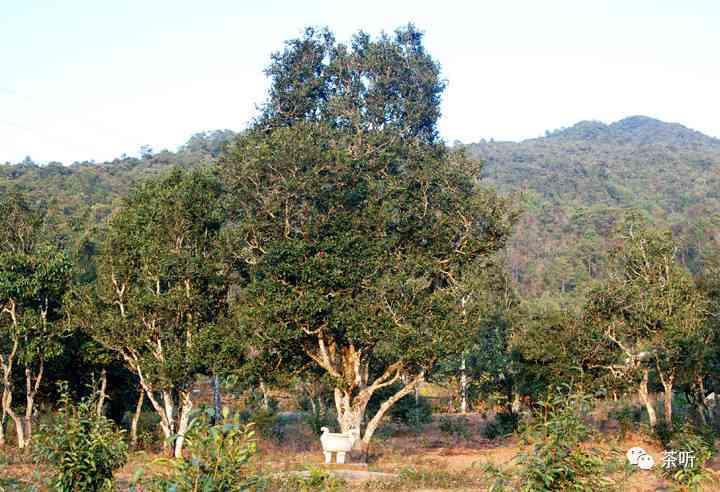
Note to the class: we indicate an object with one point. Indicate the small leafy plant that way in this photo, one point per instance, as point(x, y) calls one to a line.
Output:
point(557, 459)
point(456, 426)
point(502, 425)
point(697, 443)
point(217, 459)
point(84, 448)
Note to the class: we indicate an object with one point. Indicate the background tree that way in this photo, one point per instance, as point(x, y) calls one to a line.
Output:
point(161, 288)
point(649, 308)
point(34, 275)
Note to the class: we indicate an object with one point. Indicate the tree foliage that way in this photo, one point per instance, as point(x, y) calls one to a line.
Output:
point(355, 221)
point(161, 290)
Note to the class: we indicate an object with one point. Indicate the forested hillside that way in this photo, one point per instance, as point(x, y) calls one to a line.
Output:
point(577, 182)
point(81, 195)
point(574, 184)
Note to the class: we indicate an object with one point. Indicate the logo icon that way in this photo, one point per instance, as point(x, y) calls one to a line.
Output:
point(639, 457)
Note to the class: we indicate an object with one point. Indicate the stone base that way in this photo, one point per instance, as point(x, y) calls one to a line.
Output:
point(345, 466)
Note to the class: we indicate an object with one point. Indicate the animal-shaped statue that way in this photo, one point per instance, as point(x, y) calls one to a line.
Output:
point(337, 442)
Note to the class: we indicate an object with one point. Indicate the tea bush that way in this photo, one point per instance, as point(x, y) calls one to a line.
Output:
point(217, 458)
point(84, 448)
point(456, 426)
point(557, 459)
point(315, 480)
point(504, 423)
point(627, 418)
point(700, 444)
point(319, 418)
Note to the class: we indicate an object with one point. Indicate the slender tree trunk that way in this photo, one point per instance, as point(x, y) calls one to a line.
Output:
point(266, 400)
point(386, 405)
point(508, 392)
point(699, 400)
point(136, 418)
point(217, 398)
point(7, 409)
point(169, 409)
point(31, 390)
point(646, 399)
point(667, 401)
point(166, 423)
point(103, 388)
point(7, 361)
point(463, 385)
point(183, 420)
point(313, 406)
point(2, 422)
point(667, 383)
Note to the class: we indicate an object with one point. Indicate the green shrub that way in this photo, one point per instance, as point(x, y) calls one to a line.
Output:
point(83, 447)
point(457, 426)
point(318, 419)
point(147, 430)
point(557, 460)
point(267, 423)
point(626, 417)
point(700, 443)
point(663, 433)
point(217, 458)
point(411, 413)
point(316, 480)
point(504, 423)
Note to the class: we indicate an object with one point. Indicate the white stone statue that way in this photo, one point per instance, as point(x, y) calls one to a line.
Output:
point(337, 442)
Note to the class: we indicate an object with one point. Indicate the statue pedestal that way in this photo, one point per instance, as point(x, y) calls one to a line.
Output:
point(361, 467)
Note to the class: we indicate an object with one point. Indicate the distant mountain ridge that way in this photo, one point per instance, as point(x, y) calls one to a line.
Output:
point(641, 130)
point(577, 182)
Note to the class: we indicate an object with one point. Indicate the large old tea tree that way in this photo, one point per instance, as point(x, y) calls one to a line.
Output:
point(355, 222)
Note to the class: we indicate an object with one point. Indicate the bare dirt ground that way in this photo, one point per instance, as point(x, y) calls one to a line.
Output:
point(394, 451)
point(430, 451)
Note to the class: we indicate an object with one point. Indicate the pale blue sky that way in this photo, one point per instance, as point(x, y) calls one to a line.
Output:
point(92, 79)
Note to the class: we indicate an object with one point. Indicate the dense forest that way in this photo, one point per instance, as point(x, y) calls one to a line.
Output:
point(339, 256)
point(572, 185)
point(575, 183)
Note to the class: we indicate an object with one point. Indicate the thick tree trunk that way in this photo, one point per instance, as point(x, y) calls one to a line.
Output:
point(350, 411)
point(217, 398)
point(136, 418)
point(102, 393)
point(646, 399)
